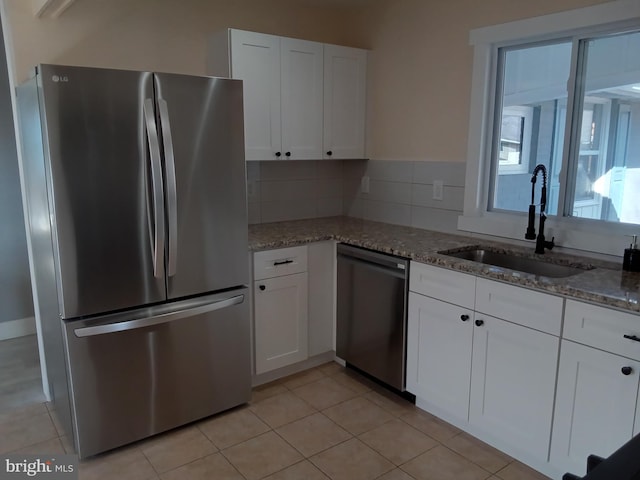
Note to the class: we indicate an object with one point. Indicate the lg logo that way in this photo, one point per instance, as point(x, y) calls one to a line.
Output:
point(60, 78)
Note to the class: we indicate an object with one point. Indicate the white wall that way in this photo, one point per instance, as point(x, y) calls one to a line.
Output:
point(16, 305)
point(420, 71)
point(163, 35)
point(420, 66)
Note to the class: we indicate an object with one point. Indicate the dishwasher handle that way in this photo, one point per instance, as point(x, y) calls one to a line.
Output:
point(381, 259)
point(397, 270)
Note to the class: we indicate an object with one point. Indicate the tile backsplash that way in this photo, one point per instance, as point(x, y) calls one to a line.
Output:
point(288, 190)
point(400, 192)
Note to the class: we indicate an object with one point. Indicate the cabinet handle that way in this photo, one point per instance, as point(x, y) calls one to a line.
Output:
point(479, 323)
point(632, 337)
point(278, 154)
point(262, 287)
point(329, 153)
point(288, 154)
point(282, 262)
point(464, 318)
point(626, 370)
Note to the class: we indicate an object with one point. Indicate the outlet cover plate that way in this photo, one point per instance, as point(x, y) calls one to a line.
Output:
point(438, 187)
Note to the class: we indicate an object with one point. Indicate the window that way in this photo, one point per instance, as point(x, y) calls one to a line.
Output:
point(533, 80)
point(531, 109)
point(562, 90)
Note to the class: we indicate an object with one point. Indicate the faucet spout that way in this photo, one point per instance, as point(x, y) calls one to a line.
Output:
point(541, 242)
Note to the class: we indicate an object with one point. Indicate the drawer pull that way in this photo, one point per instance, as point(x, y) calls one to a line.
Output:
point(632, 337)
point(284, 262)
point(262, 287)
point(479, 323)
point(464, 318)
point(626, 370)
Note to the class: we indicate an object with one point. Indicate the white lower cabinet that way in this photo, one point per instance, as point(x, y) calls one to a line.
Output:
point(513, 377)
point(595, 405)
point(439, 337)
point(280, 307)
point(293, 305)
point(490, 366)
point(280, 321)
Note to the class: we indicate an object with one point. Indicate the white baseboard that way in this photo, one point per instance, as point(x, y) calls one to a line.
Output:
point(17, 328)
point(291, 369)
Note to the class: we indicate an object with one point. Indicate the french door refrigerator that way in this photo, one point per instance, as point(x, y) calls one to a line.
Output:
point(136, 195)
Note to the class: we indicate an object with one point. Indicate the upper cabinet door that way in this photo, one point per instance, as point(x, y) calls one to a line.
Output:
point(302, 92)
point(255, 59)
point(345, 80)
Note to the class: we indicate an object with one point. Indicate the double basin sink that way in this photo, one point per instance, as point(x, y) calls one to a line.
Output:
point(519, 263)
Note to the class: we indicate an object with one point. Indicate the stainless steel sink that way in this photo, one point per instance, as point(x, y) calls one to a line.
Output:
point(518, 263)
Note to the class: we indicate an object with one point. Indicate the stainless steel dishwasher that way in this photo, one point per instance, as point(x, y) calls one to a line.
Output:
point(371, 329)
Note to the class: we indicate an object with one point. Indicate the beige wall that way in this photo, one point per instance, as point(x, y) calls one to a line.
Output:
point(164, 35)
point(420, 68)
point(421, 71)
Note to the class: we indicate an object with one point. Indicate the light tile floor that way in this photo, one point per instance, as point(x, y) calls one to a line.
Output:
point(325, 423)
point(20, 381)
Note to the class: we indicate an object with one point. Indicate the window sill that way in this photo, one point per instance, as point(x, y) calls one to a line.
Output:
point(570, 233)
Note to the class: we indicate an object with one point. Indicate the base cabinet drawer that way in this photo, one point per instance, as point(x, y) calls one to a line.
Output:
point(276, 263)
point(444, 284)
point(595, 405)
point(610, 330)
point(529, 308)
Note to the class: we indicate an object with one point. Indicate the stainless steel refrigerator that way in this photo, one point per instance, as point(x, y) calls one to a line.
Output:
point(136, 193)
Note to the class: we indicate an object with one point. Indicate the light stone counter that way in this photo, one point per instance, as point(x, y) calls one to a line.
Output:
point(607, 284)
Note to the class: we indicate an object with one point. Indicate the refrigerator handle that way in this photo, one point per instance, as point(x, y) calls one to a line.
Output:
point(158, 319)
point(172, 194)
point(157, 247)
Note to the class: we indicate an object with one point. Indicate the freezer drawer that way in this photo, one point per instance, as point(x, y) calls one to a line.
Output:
point(137, 374)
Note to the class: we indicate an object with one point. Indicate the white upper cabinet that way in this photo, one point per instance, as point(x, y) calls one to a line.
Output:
point(345, 82)
point(301, 94)
point(302, 100)
point(256, 61)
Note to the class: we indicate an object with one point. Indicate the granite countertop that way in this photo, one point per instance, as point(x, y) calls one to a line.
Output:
point(605, 283)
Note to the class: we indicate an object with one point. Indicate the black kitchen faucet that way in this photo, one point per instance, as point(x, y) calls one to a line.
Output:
point(541, 243)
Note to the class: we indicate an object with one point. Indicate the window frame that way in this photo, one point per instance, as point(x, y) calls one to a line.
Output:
point(571, 232)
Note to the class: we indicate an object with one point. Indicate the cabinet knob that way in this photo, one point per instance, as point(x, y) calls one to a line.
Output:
point(464, 318)
point(479, 323)
point(278, 154)
point(262, 287)
point(288, 154)
point(627, 370)
point(329, 153)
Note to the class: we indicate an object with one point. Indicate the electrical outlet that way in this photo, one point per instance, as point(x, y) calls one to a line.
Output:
point(438, 186)
point(364, 184)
